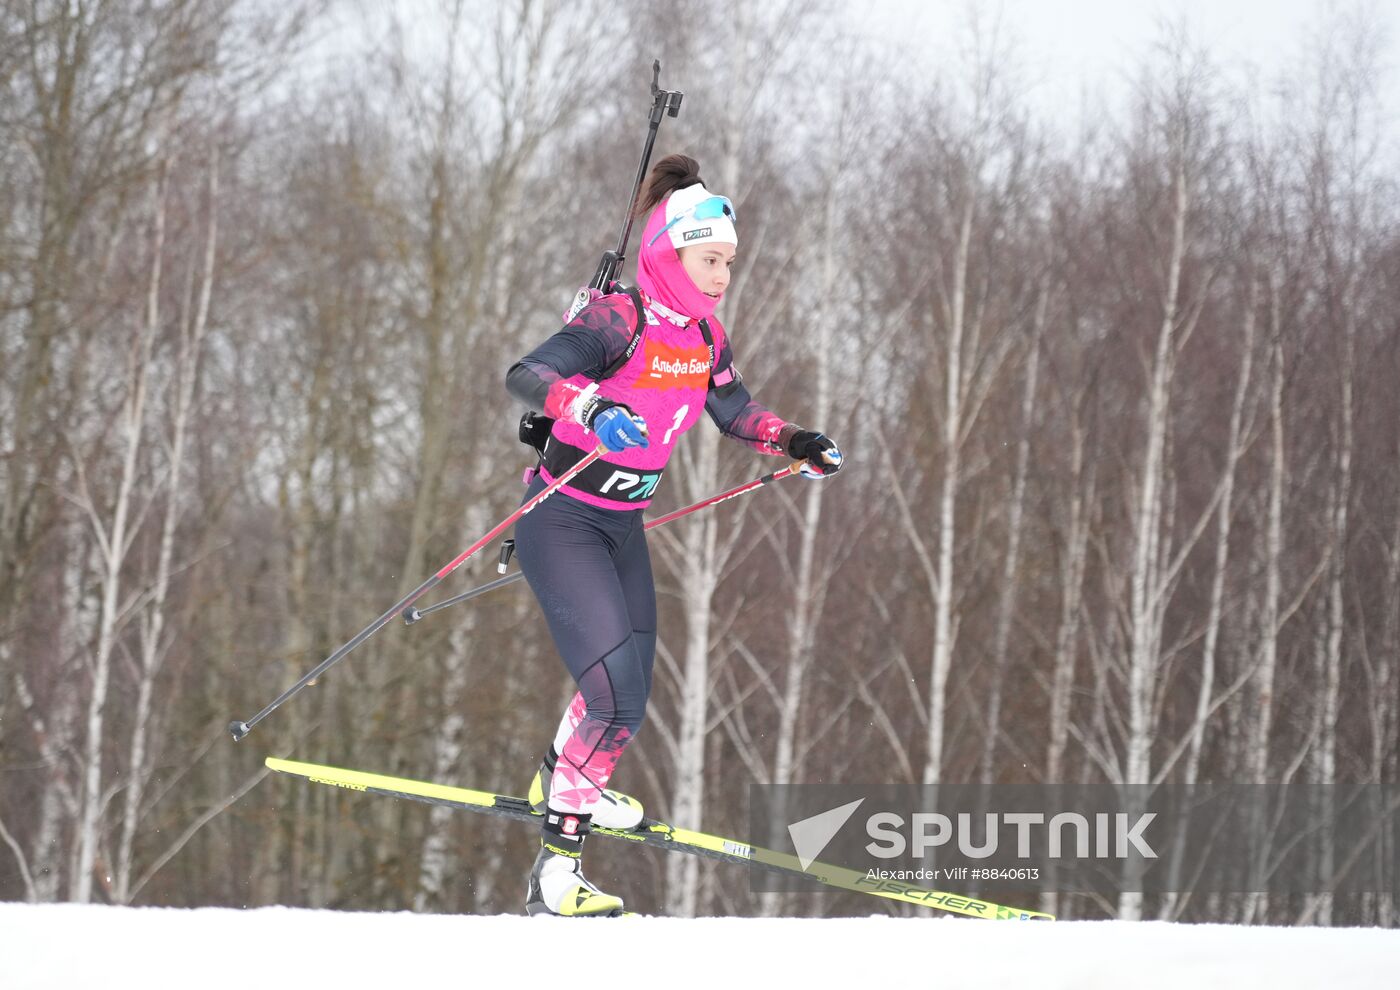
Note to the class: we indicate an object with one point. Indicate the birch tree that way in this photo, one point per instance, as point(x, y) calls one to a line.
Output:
point(1177, 118)
point(1341, 149)
point(153, 642)
point(699, 554)
point(540, 61)
point(113, 540)
point(1010, 575)
point(979, 157)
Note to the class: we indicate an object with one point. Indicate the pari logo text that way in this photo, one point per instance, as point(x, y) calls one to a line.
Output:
point(634, 484)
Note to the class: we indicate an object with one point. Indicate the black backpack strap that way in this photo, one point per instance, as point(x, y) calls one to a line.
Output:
point(709, 339)
point(637, 334)
point(535, 428)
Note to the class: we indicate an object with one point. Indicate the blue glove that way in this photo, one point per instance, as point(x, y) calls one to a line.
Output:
point(618, 427)
point(823, 458)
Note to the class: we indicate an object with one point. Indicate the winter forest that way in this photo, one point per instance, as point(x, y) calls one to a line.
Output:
point(1118, 404)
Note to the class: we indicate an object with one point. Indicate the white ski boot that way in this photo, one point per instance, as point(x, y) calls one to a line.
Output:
point(613, 810)
point(557, 884)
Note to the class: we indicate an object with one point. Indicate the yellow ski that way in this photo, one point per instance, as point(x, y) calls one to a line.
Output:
point(654, 833)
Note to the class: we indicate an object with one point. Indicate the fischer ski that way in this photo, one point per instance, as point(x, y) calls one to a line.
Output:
point(659, 834)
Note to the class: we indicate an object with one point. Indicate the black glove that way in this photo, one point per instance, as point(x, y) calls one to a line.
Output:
point(822, 456)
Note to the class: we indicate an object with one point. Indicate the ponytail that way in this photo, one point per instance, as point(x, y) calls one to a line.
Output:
point(671, 173)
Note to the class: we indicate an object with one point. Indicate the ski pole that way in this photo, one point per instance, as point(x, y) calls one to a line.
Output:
point(240, 729)
point(412, 615)
point(743, 489)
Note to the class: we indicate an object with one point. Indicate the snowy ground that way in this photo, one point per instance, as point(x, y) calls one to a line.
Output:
point(66, 946)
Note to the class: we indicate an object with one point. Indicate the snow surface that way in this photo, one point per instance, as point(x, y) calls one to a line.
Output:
point(70, 947)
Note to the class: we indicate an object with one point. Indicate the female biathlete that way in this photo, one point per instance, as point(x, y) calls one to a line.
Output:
point(584, 551)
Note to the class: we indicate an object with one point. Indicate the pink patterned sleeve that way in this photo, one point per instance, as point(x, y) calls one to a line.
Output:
point(737, 414)
point(587, 344)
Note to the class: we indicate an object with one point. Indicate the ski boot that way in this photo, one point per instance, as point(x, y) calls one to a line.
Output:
point(557, 884)
point(613, 810)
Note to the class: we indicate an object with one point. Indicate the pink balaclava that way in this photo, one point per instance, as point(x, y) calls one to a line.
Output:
point(659, 271)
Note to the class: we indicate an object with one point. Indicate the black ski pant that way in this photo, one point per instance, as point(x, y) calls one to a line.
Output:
point(591, 573)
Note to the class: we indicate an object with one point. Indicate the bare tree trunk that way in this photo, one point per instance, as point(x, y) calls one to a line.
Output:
point(449, 737)
point(941, 661)
point(1010, 573)
point(1081, 497)
point(703, 553)
point(1147, 593)
point(153, 632)
point(1256, 904)
point(1205, 694)
point(1385, 723)
point(700, 572)
point(810, 575)
point(55, 731)
point(1330, 658)
point(113, 544)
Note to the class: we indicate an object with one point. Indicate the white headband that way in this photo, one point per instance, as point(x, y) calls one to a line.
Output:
point(713, 225)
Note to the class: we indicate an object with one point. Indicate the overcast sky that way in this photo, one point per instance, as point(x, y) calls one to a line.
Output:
point(1072, 47)
point(1072, 54)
